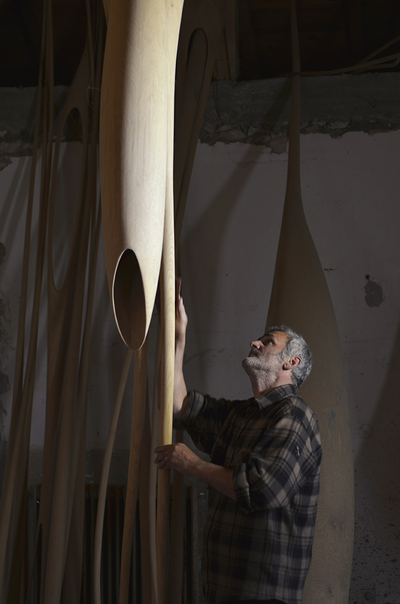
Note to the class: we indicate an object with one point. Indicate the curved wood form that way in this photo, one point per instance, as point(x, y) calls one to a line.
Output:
point(62, 501)
point(138, 418)
point(300, 298)
point(167, 281)
point(147, 514)
point(133, 156)
point(104, 477)
point(198, 46)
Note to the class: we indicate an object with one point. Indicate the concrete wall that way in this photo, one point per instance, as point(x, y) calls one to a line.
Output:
point(351, 186)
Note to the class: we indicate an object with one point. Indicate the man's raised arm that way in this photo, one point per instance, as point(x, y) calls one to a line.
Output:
point(180, 390)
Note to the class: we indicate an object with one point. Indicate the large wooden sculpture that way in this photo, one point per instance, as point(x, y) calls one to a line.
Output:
point(133, 159)
point(300, 298)
point(136, 155)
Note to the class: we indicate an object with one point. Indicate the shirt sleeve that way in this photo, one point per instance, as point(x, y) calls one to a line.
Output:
point(204, 419)
point(278, 467)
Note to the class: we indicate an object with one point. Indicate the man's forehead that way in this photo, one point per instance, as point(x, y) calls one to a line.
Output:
point(276, 334)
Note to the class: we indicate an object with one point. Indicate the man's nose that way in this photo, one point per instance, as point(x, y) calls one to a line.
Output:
point(255, 344)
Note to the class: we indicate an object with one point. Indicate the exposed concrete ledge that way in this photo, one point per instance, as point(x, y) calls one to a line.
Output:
point(255, 112)
point(258, 112)
point(17, 121)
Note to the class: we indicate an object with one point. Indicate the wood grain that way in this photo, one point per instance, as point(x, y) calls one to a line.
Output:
point(133, 158)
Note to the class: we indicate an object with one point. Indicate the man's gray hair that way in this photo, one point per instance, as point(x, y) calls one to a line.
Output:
point(296, 346)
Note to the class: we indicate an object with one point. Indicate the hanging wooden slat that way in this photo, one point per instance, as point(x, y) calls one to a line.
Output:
point(198, 44)
point(300, 298)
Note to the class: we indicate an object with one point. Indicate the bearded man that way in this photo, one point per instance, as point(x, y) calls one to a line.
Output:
point(263, 473)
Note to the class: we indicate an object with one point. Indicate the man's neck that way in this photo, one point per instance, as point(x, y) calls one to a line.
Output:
point(261, 389)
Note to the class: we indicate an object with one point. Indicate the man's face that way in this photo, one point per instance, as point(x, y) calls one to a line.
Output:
point(263, 360)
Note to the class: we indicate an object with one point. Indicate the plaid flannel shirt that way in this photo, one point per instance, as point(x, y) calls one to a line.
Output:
point(260, 546)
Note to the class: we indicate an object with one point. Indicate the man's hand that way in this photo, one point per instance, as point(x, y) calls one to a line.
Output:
point(177, 457)
point(181, 321)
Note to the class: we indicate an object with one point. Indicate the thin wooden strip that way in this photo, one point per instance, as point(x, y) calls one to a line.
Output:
point(138, 414)
point(74, 562)
point(174, 15)
point(104, 476)
point(198, 45)
point(73, 571)
point(155, 435)
point(60, 305)
point(194, 545)
point(145, 512)
point(74, 390)
point(64, 319)
point(14, 486)
point(313, 316)
point(177, 535)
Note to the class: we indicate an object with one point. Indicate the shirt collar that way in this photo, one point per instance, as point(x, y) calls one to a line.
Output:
point(275, 395)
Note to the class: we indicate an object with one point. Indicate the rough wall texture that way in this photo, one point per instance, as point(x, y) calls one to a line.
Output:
point(258, 112)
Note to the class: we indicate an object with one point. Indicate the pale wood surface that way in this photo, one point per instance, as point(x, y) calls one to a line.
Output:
point(300, 298)
point(167, 283)
point(133, 156)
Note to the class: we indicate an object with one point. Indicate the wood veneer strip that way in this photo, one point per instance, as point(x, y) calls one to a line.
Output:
point(138, 417)
point(167, 281)
point(104, 476)
point(69, 344)
point(64, 340)
point(198, 45)
point(299, 276)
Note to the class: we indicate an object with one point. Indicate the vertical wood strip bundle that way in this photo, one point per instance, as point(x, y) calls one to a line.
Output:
point(138, 418)
point(13, 501)
point(300, 298)
point(61, 514)
point(104, 477)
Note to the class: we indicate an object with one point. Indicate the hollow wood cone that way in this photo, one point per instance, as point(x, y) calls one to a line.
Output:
point(133, 156)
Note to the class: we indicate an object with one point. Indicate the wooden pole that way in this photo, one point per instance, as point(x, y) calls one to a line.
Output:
point(300, 298)
point(173, 22)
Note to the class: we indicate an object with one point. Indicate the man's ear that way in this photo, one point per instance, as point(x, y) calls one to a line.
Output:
point(291, 363)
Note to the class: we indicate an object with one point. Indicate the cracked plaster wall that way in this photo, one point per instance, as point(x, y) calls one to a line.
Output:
point(350, 182)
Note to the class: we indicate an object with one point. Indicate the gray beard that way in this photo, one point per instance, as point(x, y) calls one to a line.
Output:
point(262, 374)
